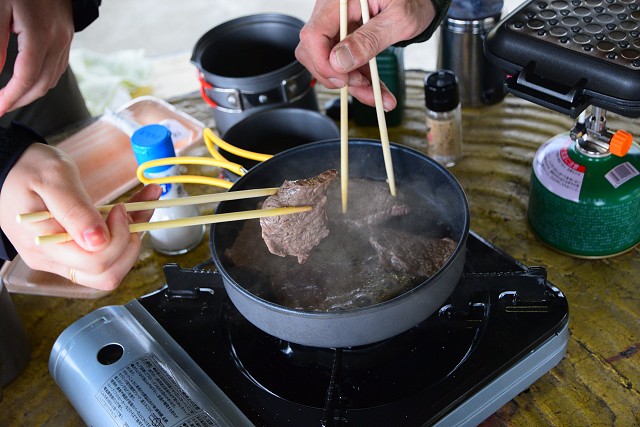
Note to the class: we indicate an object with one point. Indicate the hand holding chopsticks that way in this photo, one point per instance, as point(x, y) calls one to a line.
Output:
point(153, 204)
point(382, 124)
point(182, 222)
point(185, 222)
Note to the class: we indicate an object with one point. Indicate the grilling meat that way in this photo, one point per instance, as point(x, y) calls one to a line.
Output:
point(380, 249)
point(297, 234)
point(411, 253)
point(376, 207)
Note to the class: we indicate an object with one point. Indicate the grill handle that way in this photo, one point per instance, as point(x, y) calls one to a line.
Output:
point(547, 93)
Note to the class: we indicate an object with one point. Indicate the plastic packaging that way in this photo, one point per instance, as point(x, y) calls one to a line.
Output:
point(107, 170)
point(444, 124)
point(152, 142)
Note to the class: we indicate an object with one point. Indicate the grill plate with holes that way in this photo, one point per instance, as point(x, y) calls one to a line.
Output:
point(569, 54)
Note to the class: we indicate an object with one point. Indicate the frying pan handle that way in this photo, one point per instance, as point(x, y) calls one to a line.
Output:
point(558, 97)
point(211, 138)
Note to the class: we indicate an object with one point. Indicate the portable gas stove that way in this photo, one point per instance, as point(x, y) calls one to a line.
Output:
point(185, 356)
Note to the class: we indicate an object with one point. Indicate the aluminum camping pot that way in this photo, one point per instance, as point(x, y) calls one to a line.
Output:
point(438, 192)
point(248, 65)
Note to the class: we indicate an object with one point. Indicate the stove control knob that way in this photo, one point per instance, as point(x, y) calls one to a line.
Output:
point(620, 143)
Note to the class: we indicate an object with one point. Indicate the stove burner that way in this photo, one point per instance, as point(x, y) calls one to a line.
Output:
point(402, 365)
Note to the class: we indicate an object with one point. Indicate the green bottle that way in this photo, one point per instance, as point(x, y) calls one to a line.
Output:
point(391, 71)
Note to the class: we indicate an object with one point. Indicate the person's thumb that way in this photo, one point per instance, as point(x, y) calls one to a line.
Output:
point(361, 46)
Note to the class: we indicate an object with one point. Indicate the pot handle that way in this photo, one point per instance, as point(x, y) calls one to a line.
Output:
point(212, 141)
point(189, 179)
point(217, 160)
point(204, 85)
point(211, 138)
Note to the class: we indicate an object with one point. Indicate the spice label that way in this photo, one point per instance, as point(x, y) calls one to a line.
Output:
point(556, 171)
point(441, 139)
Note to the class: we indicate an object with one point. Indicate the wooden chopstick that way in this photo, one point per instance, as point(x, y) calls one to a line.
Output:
point(185, 222)
point(382, 122)
point(153, 204)
point(344, 119)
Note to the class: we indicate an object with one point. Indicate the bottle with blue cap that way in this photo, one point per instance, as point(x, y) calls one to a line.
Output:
point(153, 142)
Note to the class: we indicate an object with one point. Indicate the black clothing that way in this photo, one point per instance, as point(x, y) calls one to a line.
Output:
point(84, 13)
point(441, 11)
point(13, 142)
point(16, 138)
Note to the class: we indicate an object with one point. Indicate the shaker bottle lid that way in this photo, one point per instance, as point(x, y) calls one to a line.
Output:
point(152, 142)
point(441, 91)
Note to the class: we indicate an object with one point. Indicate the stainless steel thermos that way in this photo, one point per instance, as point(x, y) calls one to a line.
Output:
point(461, 50)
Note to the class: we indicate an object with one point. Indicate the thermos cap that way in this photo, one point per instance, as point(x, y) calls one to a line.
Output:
point(152, 142)
point(441, 91)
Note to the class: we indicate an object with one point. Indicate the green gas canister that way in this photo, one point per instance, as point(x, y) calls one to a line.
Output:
point(585, 192)
point(391, 70)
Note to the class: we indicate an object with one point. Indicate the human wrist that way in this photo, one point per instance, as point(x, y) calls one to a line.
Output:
point(441, 7)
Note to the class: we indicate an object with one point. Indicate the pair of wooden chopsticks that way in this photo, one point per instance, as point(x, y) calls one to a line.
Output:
point(182, 222)
point(344, 117)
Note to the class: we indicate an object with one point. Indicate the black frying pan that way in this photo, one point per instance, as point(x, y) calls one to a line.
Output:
point(438, 192)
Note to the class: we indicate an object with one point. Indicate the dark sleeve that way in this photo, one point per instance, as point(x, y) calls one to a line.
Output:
point(84, 13)
point(441, 11)
point(14, 140)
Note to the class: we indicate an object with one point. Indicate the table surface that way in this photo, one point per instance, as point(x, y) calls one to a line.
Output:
point(597, 383)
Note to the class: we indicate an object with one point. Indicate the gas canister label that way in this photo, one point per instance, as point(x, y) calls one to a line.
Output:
point(556, 171)
point(144, 394)
point(621, 174)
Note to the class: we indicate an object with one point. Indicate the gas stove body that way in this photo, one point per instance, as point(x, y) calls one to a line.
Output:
point(185, 355)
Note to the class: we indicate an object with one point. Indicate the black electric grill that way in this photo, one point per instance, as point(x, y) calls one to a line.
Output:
point(568, 54)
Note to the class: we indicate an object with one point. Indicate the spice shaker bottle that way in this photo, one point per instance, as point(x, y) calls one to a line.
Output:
point(153, 142)
point(444, 125)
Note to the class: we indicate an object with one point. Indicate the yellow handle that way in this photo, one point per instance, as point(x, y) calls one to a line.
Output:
point(211, 137)
point(189, 179)
point(217, 160)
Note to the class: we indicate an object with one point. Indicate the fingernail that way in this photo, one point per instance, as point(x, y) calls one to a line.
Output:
point(336, 82)
point(387, 105)
point(94, 237)
point(344, 57)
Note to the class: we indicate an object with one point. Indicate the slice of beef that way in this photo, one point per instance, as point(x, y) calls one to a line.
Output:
point(369, 204)
point(338, 286)
point(297, 234)
point(410, 253)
